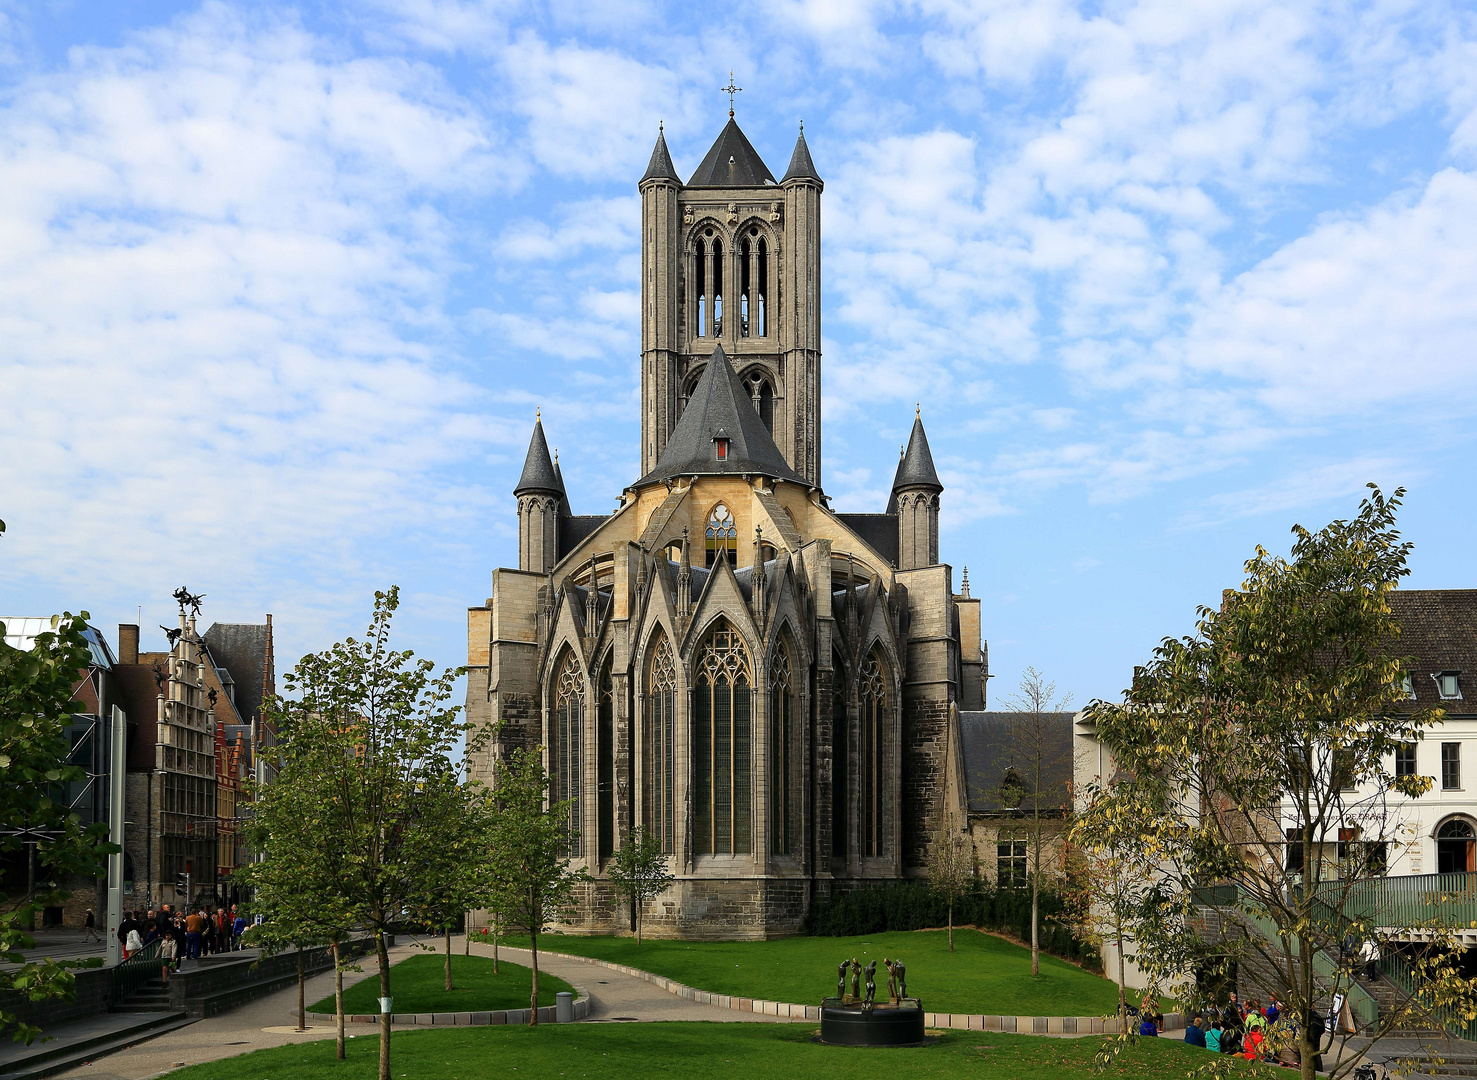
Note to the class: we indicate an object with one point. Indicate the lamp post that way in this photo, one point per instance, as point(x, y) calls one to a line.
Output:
point(115, 832)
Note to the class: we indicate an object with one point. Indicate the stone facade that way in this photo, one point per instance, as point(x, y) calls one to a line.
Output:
point(768, 685)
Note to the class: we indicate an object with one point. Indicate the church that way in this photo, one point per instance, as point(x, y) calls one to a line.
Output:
point(767, 684)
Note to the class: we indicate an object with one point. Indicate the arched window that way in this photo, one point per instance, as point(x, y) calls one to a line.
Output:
point(840, 747)
point(762, 395)
point(763, 288)
point(746, 287)
point(605, 761)
point(873, 701)
point(700, 289)
point(717, 288)
point(783, 818)
point(722, 536)
point(659, 718)
point(1456, 842)
point(722, 755)
point(564, 753)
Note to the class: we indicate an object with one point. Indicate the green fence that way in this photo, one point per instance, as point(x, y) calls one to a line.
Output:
point(1407, 900)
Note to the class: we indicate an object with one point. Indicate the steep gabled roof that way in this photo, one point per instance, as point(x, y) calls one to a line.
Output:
point(917, 469)
point(719, 404)
point(660, 166)
point(801, 167)
point(538, 467)
point(732, 162)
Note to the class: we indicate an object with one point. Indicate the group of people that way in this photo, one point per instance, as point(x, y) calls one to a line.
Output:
point(1244, 1030)
point(185, 935)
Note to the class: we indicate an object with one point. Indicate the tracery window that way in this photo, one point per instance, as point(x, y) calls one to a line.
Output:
point(840, 748)
point(722, 746)
point(722, 536)
point(783, 818)
point(873, 700)
point(659, 716)
point(605, 762)
point(564, 753)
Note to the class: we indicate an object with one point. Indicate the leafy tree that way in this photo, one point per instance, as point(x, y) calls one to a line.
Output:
point(451, 862)
point(532, 881)
point(1040, 762)
point(36, 706)
point(639, 870)
point(379, 725)
point(1244, 751)
point(951, 866)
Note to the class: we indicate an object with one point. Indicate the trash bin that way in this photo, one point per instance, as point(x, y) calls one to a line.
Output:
point(564, 1007)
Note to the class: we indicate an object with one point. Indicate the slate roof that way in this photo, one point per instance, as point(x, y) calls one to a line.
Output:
point(878, 530)
point(660, 166)
point(993, 745)
point(897, 478)
point(719, 404)
point(916, 469)
point(801, 167)
point(732, 162)
point(241, 648)
point(538, 466)
point(1439, 633)
point(575, 528)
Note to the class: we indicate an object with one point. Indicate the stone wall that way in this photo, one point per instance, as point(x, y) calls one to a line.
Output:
point(925, 745)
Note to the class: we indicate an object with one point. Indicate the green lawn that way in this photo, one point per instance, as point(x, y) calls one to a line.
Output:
point(685, 1050)
point(417, 984)
point(983, 975)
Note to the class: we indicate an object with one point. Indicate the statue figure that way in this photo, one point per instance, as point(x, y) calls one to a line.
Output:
point(856, 979)
point(871, 973)
point(841, 980)
point(900, 973)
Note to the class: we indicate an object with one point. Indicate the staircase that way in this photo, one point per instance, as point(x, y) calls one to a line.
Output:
point(151, 997)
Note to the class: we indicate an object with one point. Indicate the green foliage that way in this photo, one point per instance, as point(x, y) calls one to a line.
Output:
point(913, 905)
point(418, 987)
point(35, 708)
point(639, 870)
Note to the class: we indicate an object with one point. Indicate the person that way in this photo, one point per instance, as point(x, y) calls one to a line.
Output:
point(168, 951)
point(89, 923)
point(1316, 1029)
point(134, 942)
point(1251, 1045)
point(1274, 1009)
point(194, 929)
point(128, 924)
point(1195, 1032)
point(149, 927)
point(237, 929)
point(1148, 1028)
point(1213, 1037)
point(1369, 955)
point(1149, 1009)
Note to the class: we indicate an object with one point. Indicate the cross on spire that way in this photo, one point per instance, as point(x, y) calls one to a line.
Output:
point(730, 90)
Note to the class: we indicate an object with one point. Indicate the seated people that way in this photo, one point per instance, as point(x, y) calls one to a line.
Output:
point(1195, 1032)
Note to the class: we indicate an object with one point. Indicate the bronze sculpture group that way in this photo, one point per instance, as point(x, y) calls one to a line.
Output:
point(897, 982)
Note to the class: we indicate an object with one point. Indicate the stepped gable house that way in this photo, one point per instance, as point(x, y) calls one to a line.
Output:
point(765, 683)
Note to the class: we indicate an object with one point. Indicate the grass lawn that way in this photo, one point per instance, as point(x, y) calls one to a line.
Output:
point(983, 975)
point(685, 1050)
point(417, 985)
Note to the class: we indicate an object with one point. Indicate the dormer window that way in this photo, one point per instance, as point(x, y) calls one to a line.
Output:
point(1448, 685)
point(720, 445)
point(1408, 686)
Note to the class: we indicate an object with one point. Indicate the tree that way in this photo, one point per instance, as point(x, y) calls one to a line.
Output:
point(378, 724)
point(1041, 768)
point(640, 873)
point(951, 866)
point(451, 861)
point(36, 706)
point(532, 881)
point(1244, 751)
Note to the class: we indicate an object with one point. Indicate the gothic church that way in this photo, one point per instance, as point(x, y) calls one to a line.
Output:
point(770, 686)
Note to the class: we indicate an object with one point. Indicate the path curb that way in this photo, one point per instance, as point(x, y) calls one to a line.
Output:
point(1025, 1025)
point(475, 1019)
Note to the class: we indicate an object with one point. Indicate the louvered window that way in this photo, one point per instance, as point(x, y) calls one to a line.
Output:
point(661, 696)
point(722, 747)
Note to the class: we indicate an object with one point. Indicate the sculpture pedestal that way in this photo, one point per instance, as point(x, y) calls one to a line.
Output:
point(881, 1025)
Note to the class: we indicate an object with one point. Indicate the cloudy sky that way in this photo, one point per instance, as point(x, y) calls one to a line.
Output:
point(282, 285)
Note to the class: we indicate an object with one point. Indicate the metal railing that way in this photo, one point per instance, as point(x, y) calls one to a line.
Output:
point(140, 968)
point(1408, 900)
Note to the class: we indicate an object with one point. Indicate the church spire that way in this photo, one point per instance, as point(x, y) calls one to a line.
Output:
point(801, 167)
point(660, 167)
point(539, 471)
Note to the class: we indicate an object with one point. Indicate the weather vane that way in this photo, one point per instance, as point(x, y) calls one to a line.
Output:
point(730, 90)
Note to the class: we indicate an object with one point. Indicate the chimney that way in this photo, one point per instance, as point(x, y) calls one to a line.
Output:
point(128, 643)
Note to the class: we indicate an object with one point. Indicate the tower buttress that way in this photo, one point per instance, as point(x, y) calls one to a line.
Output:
point(540, 494)
point(916, 490)
point(661, 252)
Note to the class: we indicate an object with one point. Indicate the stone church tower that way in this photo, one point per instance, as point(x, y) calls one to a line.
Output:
point(769, 686)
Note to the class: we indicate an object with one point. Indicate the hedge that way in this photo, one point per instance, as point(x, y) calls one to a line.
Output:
point(912, 905)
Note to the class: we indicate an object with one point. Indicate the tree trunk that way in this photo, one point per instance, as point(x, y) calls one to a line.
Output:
point(302, 1014)
point(1122, 982)
point(1036, 921)
point(951, 924)
point(338, 1001)
point(467, 934)
point(638, 922)
point(533, 998)
point(494, 943)
point(382, 955)
point(448, 956)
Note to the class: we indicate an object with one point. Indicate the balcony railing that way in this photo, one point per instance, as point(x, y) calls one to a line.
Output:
point(1408, 900)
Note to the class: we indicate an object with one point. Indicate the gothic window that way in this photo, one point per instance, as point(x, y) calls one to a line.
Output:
point(839, 748)
point(763, 288)
point(1010, 862)
point(873, 701)
point(700, 273)
point(781, 754)
point(659, 715)
point(564, 753)
point(722, 536)
point(722, 754)
point(717, 288)
point(605, 763)
point(762, 395)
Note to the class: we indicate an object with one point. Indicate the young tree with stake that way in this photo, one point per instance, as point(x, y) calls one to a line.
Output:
point(951, 866)
point(640, 871)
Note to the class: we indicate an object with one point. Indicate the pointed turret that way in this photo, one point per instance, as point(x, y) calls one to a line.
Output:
point(915, 494)
point(896, 478)
point(660, 167)
point(684, 579)
point(801, 167)
point(720, 434)
point(731, 162)
point(540, 493)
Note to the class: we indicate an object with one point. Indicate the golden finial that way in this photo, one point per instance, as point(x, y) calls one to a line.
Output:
point(918, 411)
point(538, 415)
point(556, 455)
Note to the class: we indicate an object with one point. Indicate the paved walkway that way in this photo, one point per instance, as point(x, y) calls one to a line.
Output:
point(269, 1022)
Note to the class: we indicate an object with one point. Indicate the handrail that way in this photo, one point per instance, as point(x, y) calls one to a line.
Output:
point(134, 972)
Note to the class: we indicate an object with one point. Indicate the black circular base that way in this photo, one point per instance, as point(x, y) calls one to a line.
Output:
point(871, 1027)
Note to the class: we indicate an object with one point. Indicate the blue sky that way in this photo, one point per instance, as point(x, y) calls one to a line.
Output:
point(282, 285)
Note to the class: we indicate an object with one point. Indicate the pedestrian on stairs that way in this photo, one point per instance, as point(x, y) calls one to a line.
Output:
point(1369, 955)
